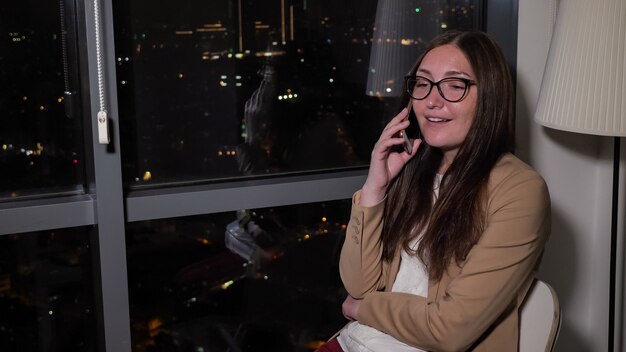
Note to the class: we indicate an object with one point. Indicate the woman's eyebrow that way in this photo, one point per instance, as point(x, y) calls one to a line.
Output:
point(454, 72)
point(447, 73)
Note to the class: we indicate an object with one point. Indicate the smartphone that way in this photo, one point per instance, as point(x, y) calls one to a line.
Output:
point(407, 144)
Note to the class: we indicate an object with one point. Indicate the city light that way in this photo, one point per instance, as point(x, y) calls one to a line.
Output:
point(227, 284)
point(288, 95)
point(154, 325)
point(228, 152)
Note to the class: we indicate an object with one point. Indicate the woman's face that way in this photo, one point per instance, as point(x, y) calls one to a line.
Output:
point(444, 124)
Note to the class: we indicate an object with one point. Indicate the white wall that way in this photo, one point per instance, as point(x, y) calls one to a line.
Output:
point(578, 170)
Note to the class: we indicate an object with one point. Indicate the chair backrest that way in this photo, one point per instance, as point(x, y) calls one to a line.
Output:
point(540, 318)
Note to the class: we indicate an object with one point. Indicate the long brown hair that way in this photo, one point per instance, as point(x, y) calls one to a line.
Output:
point(454, 223)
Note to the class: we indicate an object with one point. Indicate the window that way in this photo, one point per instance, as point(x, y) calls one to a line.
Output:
point(40, 138)
point(235, 89)
point(46, 292)
point(251, 280)
point(239, 131)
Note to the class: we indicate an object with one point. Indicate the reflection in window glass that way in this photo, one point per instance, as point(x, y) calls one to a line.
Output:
point(252, 280)
point(224, 89)
point(38, 141)
point(46, 292)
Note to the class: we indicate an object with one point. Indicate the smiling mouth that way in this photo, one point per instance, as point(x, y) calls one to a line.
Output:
point(435, 119)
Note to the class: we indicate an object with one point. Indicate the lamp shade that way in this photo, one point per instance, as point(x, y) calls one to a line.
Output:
point(399, 31)
point(584, 83)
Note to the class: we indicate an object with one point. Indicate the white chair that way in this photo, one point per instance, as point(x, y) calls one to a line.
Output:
point(540, 318)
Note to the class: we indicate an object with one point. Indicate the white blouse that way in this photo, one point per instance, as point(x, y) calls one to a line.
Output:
point(412, 278)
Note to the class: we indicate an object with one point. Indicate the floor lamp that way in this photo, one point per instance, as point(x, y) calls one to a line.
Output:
point(584, 91)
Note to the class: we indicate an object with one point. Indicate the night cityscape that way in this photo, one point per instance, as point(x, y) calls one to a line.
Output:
point(252, 88)
point(40, 146)
point(271, 283)
point(207, 92)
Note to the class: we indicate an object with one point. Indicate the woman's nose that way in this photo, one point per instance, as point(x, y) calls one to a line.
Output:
point(434, 98)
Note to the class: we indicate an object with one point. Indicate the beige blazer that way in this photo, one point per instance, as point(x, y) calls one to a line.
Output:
point(474, 307)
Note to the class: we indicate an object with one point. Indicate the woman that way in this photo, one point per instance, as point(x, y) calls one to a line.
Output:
point(443, 242)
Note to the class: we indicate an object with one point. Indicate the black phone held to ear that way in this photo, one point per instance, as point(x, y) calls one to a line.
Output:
point(407, 144)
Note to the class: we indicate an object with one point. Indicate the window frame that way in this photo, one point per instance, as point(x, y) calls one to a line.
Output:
point(105, 205)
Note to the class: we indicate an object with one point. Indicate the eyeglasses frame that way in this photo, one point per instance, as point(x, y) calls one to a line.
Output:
point(468, 84)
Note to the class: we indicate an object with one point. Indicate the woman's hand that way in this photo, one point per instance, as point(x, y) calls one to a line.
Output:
point(350, 307)
point(386, 163)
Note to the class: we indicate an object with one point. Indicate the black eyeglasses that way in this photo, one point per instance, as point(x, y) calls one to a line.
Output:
point(452, 89)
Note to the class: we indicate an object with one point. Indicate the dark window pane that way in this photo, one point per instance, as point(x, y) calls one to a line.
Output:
point(255, 280)
point(223, 89)
point(46, 292)
point(39, 143)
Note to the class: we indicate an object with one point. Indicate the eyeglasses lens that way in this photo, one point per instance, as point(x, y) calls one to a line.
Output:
point(452, 89)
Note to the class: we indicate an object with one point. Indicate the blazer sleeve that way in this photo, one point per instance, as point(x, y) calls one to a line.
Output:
point(360, 263)
point(494, 273)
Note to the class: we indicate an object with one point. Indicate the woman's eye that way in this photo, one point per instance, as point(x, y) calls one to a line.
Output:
point(456, 85)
